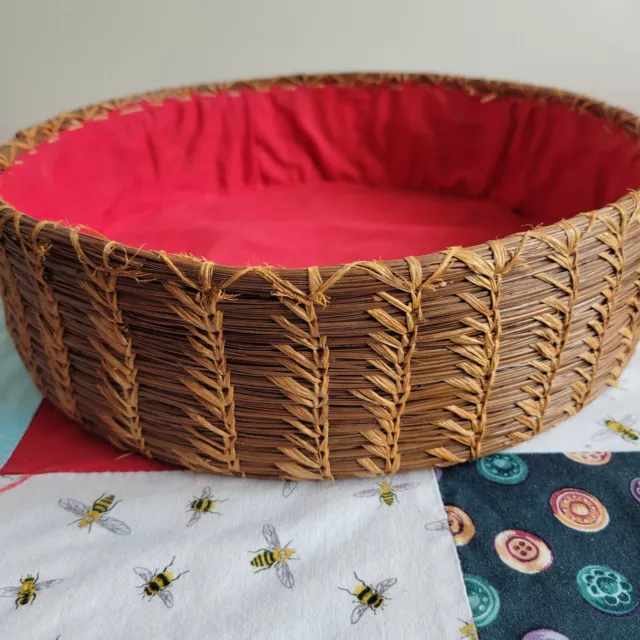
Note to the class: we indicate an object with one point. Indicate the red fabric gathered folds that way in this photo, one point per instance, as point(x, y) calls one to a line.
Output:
point(318, 176)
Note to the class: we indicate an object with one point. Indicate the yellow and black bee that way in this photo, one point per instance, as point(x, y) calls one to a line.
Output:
point(289, 487)
point(88, 516)
point(157, 583)
point(369, 597)
point(28, 589)
point(613, 428)
point(276, 554)
point(386, 491)
point(468, 630)
point(206, 503)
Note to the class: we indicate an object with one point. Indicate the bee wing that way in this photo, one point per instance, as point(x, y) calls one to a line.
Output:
point(47, 583)
point(194, 518)
point(405, 486)
point(285, 575)
point(358, 612)
point(366, 493)
point(603, 434)
point(206, 492)
point(270, 535)
point(8, 592)
point(113, 525)
point(438, 525)
point(75, 506)
point(145, 574)
point(166, 597)
point(385, 585)
point(630, 419)
point(289, 487)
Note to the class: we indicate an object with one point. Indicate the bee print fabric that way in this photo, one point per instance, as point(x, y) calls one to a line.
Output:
point(549, 544)
point(177, 554)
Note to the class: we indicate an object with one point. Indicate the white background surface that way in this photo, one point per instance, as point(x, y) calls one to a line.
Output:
point(64, 54)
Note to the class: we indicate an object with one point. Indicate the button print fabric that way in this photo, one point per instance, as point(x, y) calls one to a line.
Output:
point(579, 510)
point(503, 468)
point(594, 458)
point(523, 551)
point(460, 524)
point(607, 589)
point(555, 556)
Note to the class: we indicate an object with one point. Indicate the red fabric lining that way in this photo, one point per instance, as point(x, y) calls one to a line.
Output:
point(319, 176)
point(55, 443)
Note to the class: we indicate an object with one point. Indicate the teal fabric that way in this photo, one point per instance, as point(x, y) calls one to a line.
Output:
point(549, 544)
point(19, 397)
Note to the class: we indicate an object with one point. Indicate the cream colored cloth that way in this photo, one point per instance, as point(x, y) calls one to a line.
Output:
point(91, 581)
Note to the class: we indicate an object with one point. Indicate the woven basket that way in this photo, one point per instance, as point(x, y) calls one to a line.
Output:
point(365, 369)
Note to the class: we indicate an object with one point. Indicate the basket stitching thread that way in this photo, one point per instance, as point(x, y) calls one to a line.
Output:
point(49, 320)
point(113, 346)
point(554, 332)
point(213, 389)
point(15, 312)
point(502, 263)
point(629, 332)
point(308, 388)
point(479, 350)
point(613, 240)
point(393, 376)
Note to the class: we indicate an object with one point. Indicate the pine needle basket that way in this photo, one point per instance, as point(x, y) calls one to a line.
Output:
point(363, 369)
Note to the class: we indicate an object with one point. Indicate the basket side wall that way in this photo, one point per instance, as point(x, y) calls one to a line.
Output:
point(367, 369)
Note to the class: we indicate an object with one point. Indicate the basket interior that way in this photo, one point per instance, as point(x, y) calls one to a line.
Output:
point(316, 176)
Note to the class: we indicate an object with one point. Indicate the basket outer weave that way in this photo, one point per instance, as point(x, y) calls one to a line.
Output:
point(363, 369)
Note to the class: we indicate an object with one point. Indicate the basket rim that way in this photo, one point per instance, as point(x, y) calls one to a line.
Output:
point(28, 139)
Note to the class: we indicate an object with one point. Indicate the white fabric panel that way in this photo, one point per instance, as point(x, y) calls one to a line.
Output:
point(333, 532)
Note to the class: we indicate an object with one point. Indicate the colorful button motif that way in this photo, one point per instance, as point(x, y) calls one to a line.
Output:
point(591, 458)
point(483, 600)
point(606, 589)
point(503, 468)
point(523, 551)
point(544, 634)
point(579, 510)
point(596, 512)
point(634, 487)
point(460, 524)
